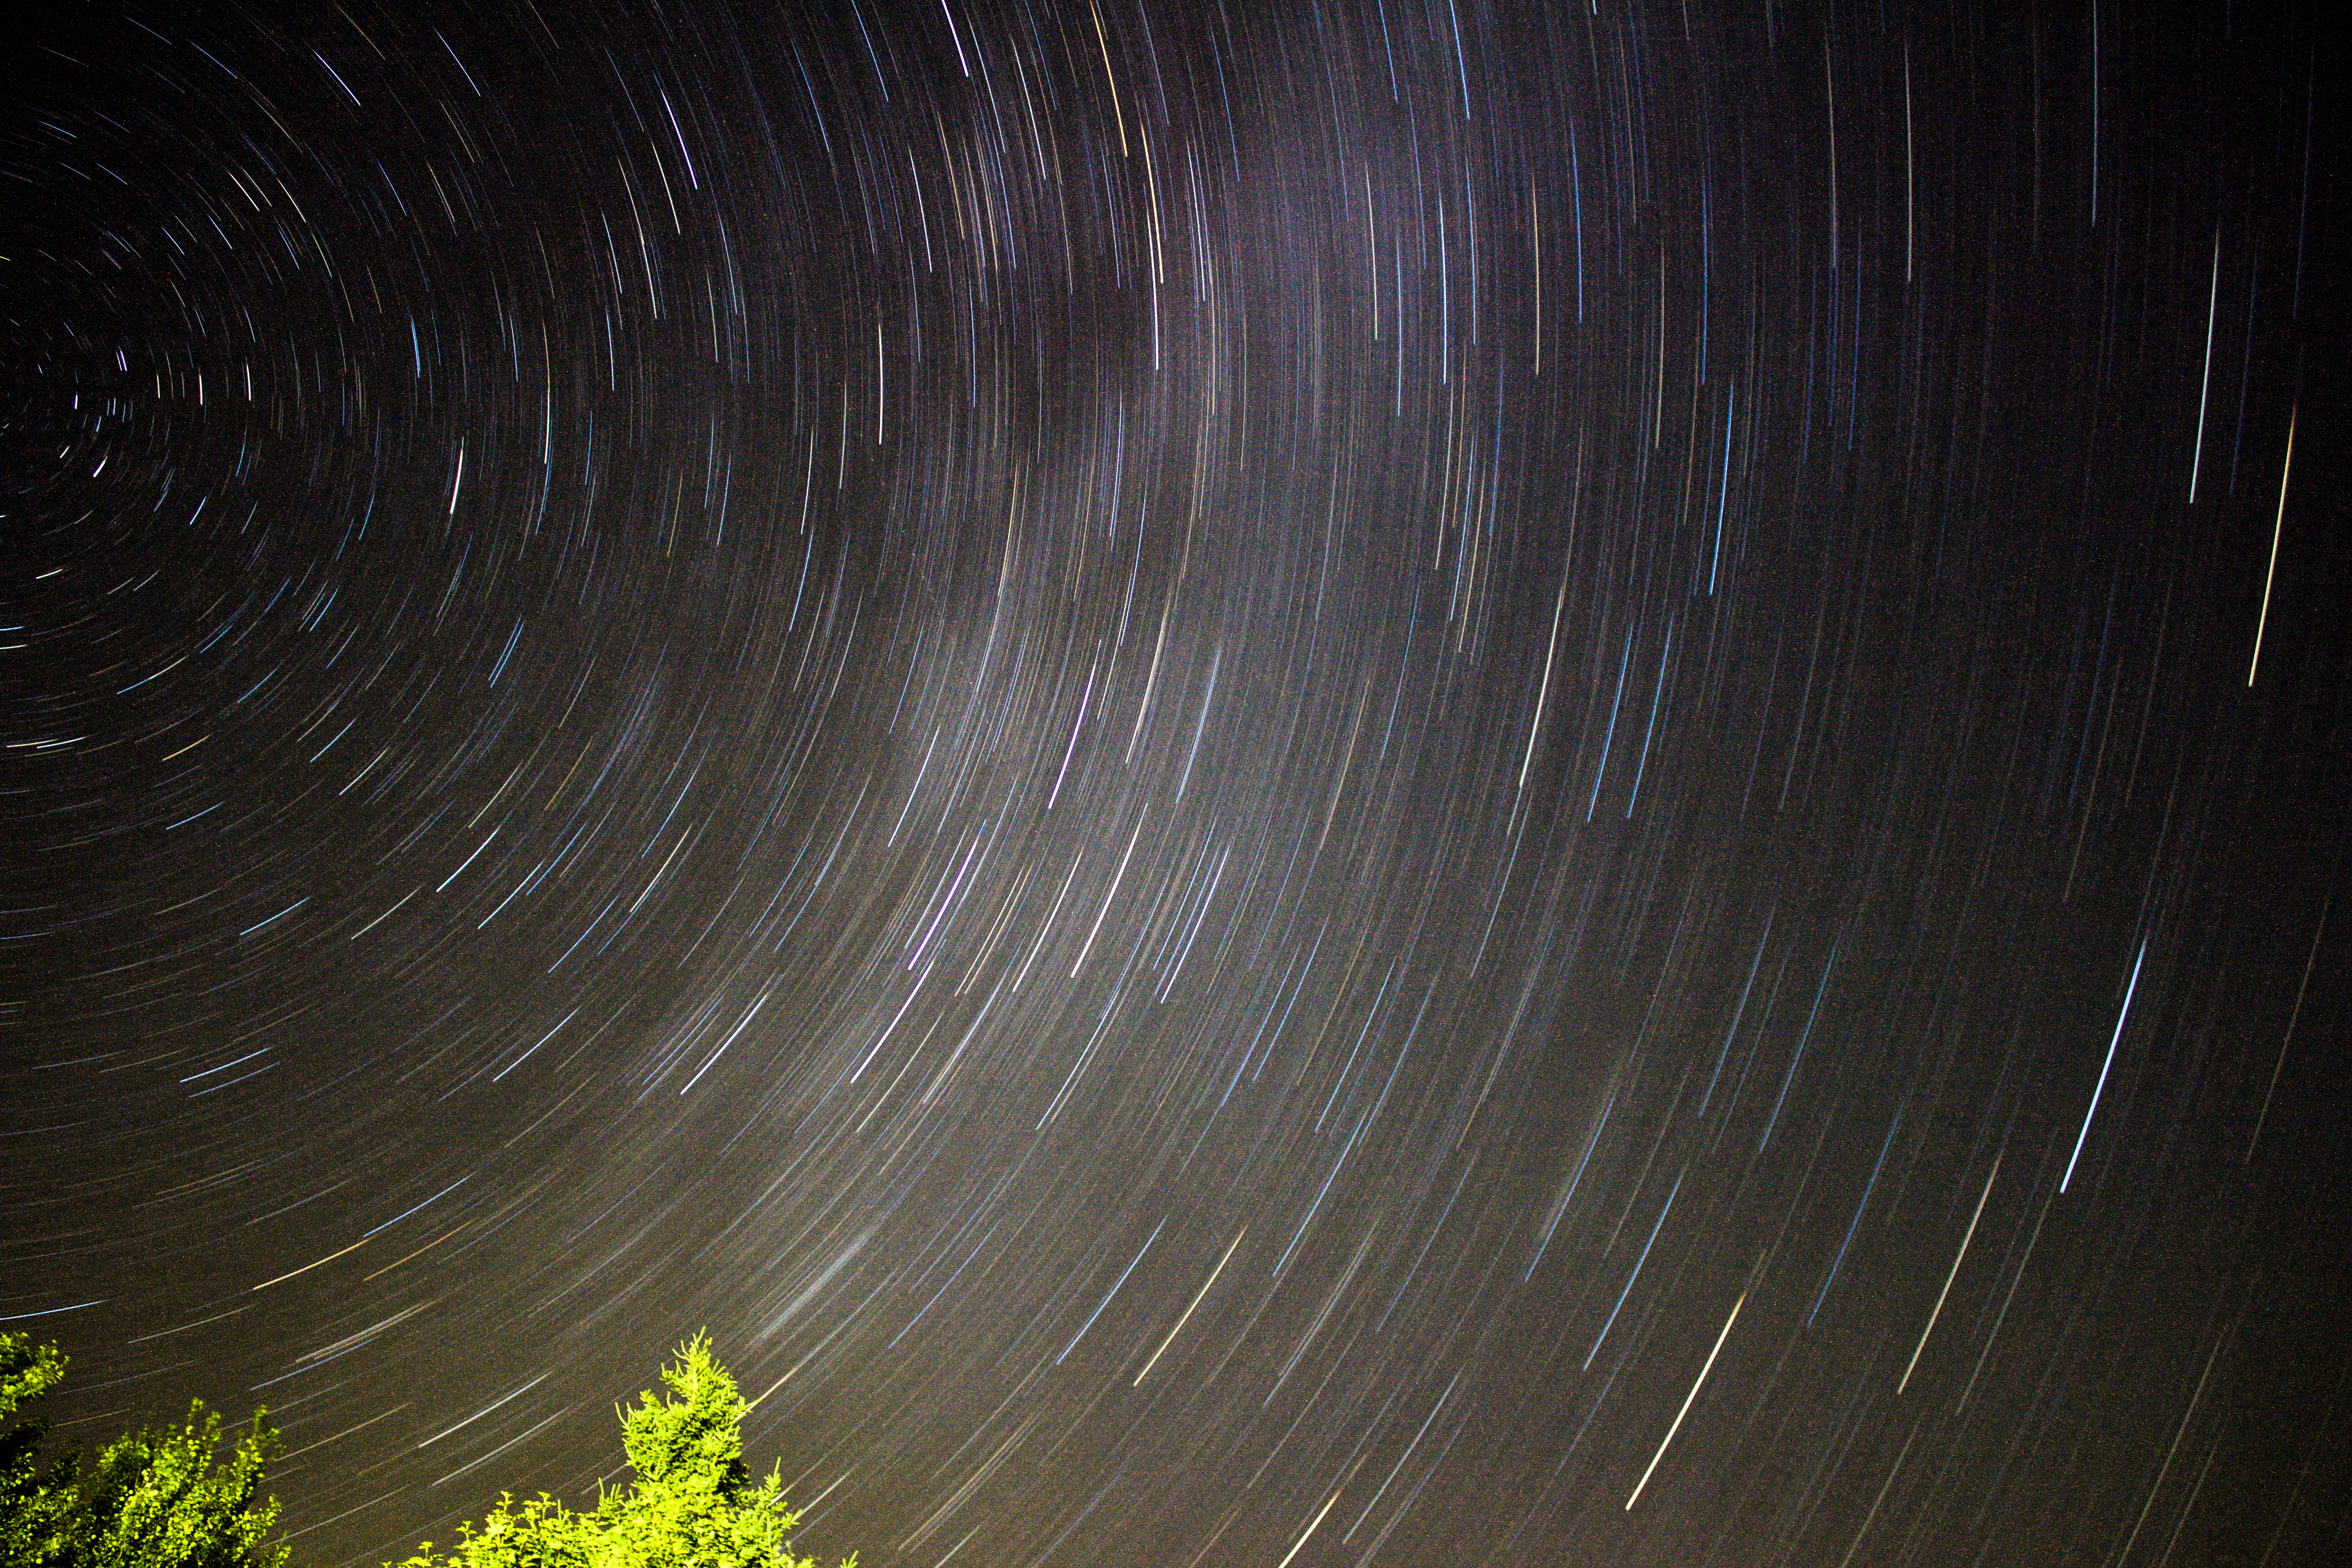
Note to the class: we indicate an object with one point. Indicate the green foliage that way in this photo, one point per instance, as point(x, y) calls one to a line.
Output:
point(33, 1506)
point(154, 1498)
point(693, 1504)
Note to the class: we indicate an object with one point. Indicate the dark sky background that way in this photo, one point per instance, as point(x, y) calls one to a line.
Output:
point(1285, 785)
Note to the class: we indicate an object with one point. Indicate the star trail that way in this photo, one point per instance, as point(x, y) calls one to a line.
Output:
point(1301, 784)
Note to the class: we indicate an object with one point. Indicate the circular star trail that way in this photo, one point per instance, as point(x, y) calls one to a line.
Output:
point(1297, 784)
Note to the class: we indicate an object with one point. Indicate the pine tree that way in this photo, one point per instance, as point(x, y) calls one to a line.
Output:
point(693, 1504)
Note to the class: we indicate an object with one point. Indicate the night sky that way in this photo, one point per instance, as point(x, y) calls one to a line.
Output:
point(1436, 782)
